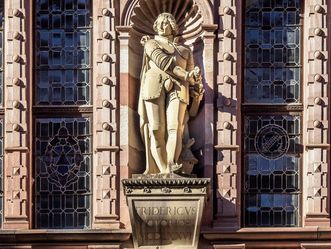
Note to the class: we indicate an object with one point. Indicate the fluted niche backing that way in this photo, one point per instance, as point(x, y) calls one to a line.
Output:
point(186, 12)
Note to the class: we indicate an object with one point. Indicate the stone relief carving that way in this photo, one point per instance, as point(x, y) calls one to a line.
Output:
point(170, 93)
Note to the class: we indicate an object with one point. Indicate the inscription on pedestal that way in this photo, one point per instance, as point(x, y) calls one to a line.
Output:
point(163, 223)
point(165, 213)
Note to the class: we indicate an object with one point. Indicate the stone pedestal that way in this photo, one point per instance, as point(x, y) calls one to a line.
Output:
point(165, 210)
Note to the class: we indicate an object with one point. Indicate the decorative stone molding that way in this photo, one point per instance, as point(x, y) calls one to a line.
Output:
point(105, 182)
point(164, 180)
point(228, 116)
point(16, 204)
point(316, 208)
point(62, 110)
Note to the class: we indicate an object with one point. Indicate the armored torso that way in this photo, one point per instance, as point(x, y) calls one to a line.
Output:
point(163, 54)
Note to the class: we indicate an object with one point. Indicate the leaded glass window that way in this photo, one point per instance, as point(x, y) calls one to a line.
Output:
point(63, 57)
point(63, 161)
point(272, 160)
point(272, 133)
point(272, 51)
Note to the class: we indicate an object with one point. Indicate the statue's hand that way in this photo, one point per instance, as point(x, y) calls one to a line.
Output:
point(194, 76)
point(191, 78)
point(197, 74)
point(144, 39)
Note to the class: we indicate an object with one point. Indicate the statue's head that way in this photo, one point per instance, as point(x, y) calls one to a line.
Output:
point(165, 25)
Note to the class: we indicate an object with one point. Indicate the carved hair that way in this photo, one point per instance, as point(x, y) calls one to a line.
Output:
point(171, 20)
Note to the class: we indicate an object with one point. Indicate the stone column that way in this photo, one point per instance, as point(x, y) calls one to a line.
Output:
point(317, 113)
point(105, 130)
point(228, 117)
point(16, 88)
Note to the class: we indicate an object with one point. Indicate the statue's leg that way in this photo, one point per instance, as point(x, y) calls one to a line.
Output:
point(156, 120)
point(175, 125)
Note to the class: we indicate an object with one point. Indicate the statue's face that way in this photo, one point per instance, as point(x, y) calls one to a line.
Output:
point(164, 27)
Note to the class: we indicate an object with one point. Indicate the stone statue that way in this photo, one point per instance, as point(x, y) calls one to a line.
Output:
point(170, 83)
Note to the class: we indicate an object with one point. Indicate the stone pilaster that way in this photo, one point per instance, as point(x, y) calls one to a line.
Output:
point(228, 117)
point(105, 130)
point(316, 162)
point(123, 35)
point(208, 37)
point(16, 87)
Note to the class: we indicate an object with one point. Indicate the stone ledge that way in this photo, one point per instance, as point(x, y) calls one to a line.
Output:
point(164, 180)
point(148, 185)
point(267, 234)
point(63, 236)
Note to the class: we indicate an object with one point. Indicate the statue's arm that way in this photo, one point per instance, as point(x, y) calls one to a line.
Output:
point(164, 61)
point(157, 55)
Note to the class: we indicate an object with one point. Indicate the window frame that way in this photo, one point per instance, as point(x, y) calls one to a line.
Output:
point(255, 109)
point(40, 111)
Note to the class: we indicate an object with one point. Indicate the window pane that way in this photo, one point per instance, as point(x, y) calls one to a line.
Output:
point(64, 38)
point(63, 171)
point(271, 210)
point(272, 159)
point(272, 51)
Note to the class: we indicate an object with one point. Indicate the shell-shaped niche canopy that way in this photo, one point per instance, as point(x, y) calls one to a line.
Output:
point(186, 13)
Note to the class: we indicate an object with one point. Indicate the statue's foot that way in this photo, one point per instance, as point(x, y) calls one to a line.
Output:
point(175, 167)
point(167, 170)
point(146, 172)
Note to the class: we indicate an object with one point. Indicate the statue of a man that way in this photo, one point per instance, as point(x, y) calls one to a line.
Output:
point(167, 73)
